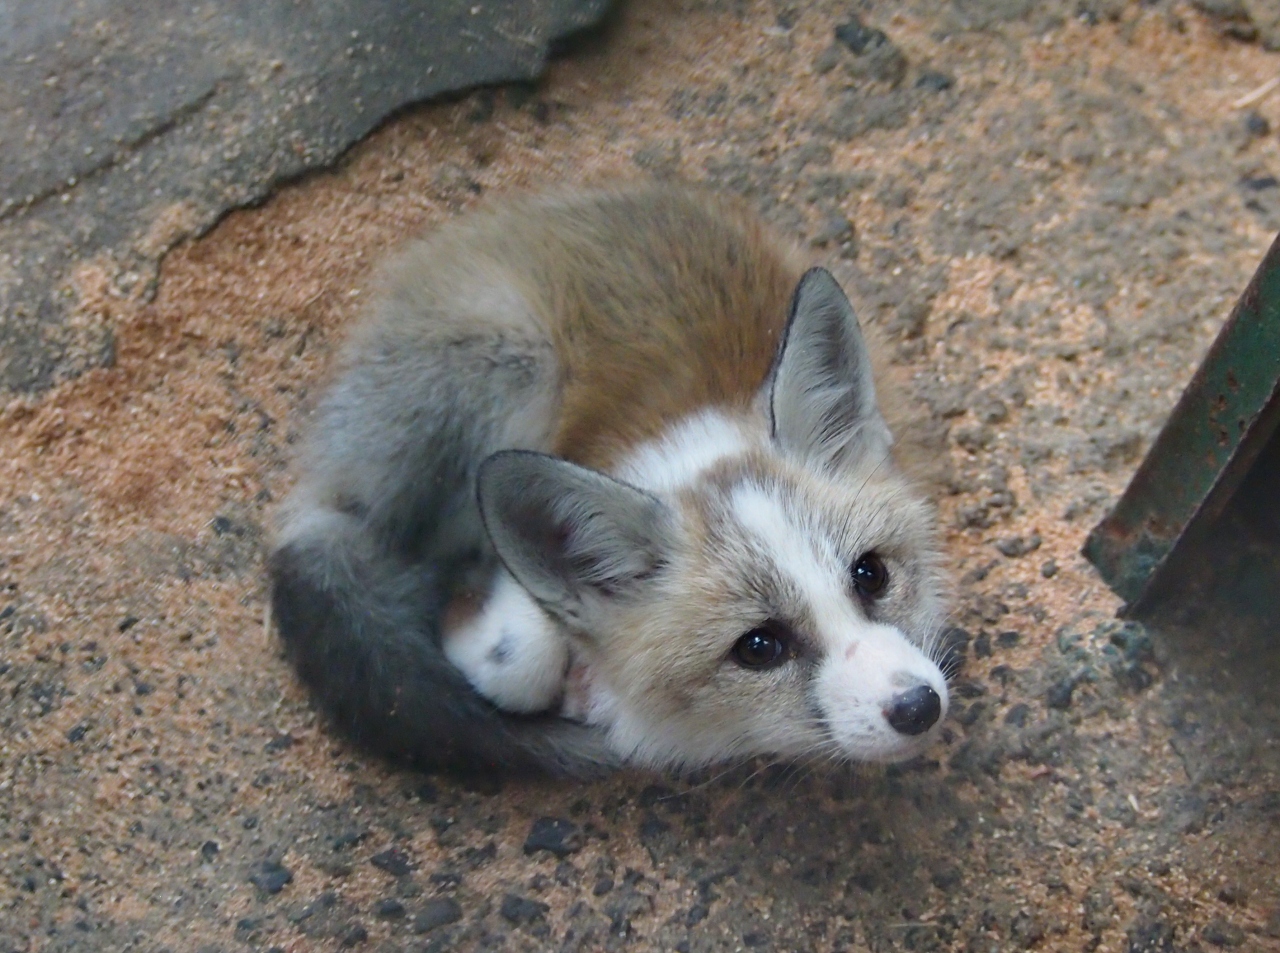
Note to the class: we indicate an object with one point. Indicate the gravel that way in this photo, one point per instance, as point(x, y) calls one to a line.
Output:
point(1046, 246)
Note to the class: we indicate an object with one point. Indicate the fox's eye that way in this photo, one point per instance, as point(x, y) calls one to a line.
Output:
point(870, 575)
point(762, 647)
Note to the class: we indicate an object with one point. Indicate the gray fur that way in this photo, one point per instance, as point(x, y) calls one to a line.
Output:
point(823, 400)
point(384, 525)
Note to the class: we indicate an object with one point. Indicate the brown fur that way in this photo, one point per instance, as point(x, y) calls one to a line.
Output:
point(633, 286)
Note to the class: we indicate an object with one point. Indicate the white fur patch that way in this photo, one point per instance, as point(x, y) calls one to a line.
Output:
point(807, 560)
point(856, 690)
point(684, 452)
point(511, 651)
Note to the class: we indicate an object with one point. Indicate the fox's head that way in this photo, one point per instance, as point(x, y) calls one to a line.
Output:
point(760, 580)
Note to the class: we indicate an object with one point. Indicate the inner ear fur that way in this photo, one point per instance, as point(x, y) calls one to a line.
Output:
point(569, 534)
point(821, 389)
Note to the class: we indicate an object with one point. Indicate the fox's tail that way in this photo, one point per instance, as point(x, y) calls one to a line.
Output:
point(363, 630)
point(382, 526)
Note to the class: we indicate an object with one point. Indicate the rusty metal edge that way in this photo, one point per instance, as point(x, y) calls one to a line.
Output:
point(1207, 520)
point(1206, 447)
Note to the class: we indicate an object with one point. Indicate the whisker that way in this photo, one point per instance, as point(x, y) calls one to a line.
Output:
point(873, 471)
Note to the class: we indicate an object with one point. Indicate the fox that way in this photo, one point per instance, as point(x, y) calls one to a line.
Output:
point(603, 480)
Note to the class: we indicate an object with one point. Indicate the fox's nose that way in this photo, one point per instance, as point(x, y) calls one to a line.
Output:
point(914, 711)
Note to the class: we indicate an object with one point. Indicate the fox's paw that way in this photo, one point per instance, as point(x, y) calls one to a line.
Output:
point(511, 652)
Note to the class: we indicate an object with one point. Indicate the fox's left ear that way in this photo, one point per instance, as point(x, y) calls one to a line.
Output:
point(574, 538)
point(821, 396)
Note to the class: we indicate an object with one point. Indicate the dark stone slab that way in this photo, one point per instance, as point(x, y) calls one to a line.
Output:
point(126, 127)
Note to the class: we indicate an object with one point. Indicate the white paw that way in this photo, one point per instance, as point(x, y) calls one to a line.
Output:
point(511, 652)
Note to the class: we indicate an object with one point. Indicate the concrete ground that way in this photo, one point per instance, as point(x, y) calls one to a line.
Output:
point(1048, 207)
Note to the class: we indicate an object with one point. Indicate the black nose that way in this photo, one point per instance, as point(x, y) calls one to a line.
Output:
point(914, 711)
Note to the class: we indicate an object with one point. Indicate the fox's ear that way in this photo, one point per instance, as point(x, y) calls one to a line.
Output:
point(571, 536)
point(821, 396)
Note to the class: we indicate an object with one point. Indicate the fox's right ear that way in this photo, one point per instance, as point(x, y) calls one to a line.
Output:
point(571, 536)
point(821, 395)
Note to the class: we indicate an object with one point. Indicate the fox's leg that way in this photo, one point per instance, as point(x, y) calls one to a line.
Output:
point(511, 651)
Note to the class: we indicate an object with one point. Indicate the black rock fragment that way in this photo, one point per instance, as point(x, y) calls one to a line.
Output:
point(394, 861)
point(389, 908)
point(270, 876)
point(554, 834)
point(934, 81)
point(521, 910)
point(858, 37)
point(437, 913)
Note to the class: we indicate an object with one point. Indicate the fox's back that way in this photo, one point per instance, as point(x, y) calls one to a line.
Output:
point(654, 302)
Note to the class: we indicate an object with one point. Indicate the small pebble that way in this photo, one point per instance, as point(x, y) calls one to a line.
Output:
point(554, 834)
point(1256, 125)
point(521, 910)
point(934, 82)
point(389, 908)
point(394, 861)
point(347, 839)
point(968, 716)
point(355, 935)
point(994, 412)
point(1059, 694)
point(437, 913)
point(859, 37)
point(1017, 716)
point(1233, 894)
point(1016, 546)
point(566, 874)
point(1003, 673)
point(271, 876)
point(1049, 569)
point(947, 878)
point(968, 688)
point(835, 229)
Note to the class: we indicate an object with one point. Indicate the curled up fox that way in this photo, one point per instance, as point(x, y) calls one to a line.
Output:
point(603, 479)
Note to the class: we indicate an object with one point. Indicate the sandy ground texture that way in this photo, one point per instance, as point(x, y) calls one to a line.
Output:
point(1048, 208)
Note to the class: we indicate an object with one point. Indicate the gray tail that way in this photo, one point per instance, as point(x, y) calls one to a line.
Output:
point(362, 627)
